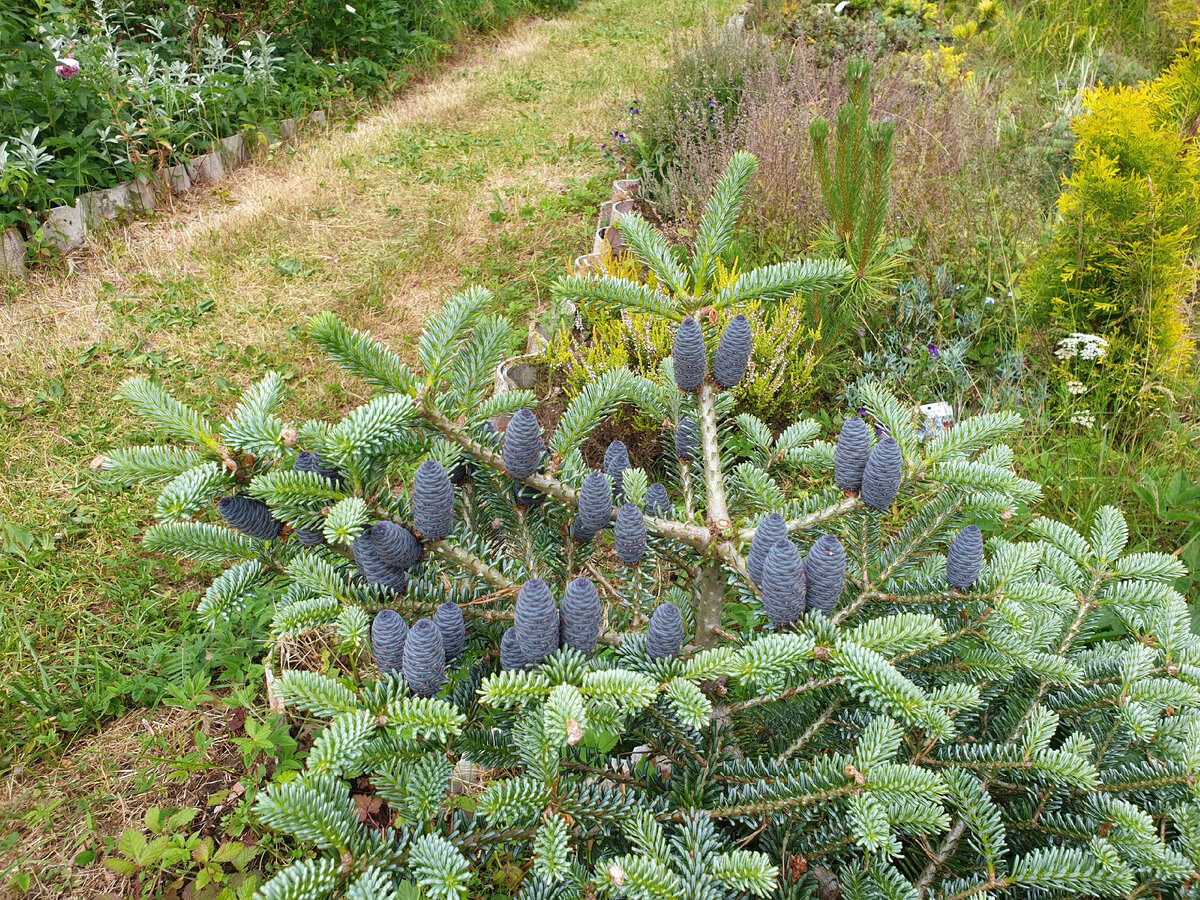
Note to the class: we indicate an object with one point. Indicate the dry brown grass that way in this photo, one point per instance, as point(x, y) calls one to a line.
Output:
point(106, 786)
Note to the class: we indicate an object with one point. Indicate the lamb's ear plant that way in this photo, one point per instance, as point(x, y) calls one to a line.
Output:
point(925, 715)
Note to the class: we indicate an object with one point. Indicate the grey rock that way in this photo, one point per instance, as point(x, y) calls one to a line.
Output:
point(65, 226)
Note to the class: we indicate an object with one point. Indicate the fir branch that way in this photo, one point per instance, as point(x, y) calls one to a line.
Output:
point(472, 564)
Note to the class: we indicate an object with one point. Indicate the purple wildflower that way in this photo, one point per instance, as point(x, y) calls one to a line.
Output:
point(933, 351)
point(68, 67)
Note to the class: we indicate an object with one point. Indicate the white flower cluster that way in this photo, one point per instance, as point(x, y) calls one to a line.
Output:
point(1076, 387)
point(1084, 417)
point(1085, 346)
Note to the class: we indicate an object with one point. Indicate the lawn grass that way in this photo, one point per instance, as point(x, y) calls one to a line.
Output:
point(486, 173)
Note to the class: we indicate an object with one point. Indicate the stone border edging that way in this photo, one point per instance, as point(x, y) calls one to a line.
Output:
point(68, 226)
point(624, 192)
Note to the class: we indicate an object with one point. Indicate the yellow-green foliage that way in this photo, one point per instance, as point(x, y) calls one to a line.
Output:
point(777, 384)
point(1129, 218)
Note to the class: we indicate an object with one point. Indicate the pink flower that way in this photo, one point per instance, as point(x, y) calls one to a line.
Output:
point(68, 67)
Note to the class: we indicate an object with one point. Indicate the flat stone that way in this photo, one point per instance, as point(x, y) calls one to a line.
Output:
point(522, 376)
point(233, 149)
point(141, 194)
point(317, 117)
point(288, 129)
point(590, 263)
point(606, 214)
point(621, 208)
point(100, 207)
point(625, 189)
point(206, 169)
point(176, 179)
point(65, 226)
point(12, 254)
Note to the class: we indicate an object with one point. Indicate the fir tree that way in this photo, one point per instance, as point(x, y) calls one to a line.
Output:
point(1027, 727)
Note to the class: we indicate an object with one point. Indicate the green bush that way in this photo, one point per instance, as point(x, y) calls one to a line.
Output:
point(91, 97)
point(908, 738)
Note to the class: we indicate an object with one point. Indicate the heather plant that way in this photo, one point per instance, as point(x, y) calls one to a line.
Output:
point(949, 342)
point(810, 668)
point(790, 339)
point(957, 187)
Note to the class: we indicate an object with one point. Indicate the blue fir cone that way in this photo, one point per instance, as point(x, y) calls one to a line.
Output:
point(850, 455)
point(881, 477)
point(658, 504)
point(733, 352)
point(965, 558)
point(525, 496)
point(374, 569)
point(687, 440)
point(388, 634)
point(783, 584)
point(595, 505)
point(580, 616)
point(432, 501)
point(309, 537)
point(664, 636)
point(535, 618)
point(459, 471)
point(581, 534)
point(825, 574)
point(690, 356)
point(512, 653)
point(251, 517)
point(307, 461)
point(616, 461)
point(523, 445)
point(395, 545)
point(629, 534)
point(770, 531)
point(424, 664)
point(449, 620)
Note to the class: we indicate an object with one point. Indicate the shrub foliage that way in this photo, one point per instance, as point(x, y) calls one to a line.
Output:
point(909, 725)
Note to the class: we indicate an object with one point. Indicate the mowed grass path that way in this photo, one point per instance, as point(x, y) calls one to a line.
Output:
point(486, 173)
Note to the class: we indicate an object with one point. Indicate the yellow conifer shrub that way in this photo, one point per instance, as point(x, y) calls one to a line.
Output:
point(1119, 263)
